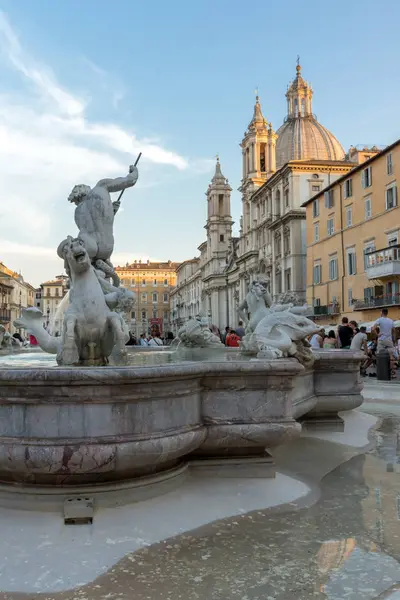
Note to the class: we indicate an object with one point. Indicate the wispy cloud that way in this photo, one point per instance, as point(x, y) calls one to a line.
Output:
point(49, 143)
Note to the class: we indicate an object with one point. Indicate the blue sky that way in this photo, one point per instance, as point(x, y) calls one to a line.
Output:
point(87, 84)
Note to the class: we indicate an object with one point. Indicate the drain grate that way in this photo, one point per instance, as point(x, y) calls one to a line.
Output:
point(78, 510)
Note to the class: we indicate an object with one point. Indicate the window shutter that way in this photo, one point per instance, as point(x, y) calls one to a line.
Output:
point(363, 179)
point(369, 176)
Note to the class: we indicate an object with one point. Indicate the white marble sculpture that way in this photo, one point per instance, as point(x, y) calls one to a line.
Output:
point(94, 217)
point(93, 325)
point(196, 334)
point(275, 330)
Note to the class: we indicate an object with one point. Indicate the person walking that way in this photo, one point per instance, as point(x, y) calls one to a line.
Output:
point(385, 338)
point(345, 334)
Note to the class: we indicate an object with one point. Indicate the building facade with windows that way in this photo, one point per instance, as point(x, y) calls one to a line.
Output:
point(15, 294)
point(151, 283)
point(280, 171)
point(50, 296)
point(353, 241)
point(186, 296)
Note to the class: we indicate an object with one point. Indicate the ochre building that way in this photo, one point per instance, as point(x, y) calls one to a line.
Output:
point(353, 249)
point(151, 282)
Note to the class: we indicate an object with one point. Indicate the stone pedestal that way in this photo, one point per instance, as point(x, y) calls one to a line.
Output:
point(247, 409)
point(337, 387)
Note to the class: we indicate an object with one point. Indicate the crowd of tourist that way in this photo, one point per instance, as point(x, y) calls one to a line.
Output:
point(351, 337)
point(155, 339)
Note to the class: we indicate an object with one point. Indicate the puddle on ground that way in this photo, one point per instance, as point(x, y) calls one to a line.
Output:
point(345, 547)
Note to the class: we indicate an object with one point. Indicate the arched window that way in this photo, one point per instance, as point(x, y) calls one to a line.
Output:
point(248, 160)
point(303, 107)
point(296, 108)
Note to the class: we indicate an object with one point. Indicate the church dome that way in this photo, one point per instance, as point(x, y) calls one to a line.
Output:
point(301, 136)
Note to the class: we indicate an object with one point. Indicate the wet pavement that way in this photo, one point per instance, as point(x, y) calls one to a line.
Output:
point(346, 546)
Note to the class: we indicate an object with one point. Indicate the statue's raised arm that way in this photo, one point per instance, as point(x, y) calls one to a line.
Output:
point(120, 183)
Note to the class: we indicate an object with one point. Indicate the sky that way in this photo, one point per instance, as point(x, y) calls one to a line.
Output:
point(86, 85)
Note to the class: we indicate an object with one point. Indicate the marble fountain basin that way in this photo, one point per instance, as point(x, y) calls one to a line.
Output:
point(140, 428)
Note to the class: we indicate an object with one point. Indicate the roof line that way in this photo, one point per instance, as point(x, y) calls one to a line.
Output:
point(354, 170)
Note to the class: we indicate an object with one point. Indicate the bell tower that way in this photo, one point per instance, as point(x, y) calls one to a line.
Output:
point(259, 159)
point(299, 96)
point(219, 220)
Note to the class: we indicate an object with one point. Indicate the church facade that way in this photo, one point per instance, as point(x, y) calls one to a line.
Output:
point(280, 171)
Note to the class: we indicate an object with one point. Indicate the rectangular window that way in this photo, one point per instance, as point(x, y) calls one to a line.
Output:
point(155, 297)
point(349, 216)
point(368, 207)
point(144, 315)
point(315, 188)
point(348, 188)
point(316, 232)
point(329, 200)
point(392, 239)
point(165, 282)
point(286, 195)
point(333, 268)
point(366, 177)
point(317, 274)
point(165, 298)
point(370, 247)
point(389, 164)
point(350, 297)
point(317, 302)
point(155, 313)
point(154, 282)
point(143, 282)
point(144, 297)
point(351, 262)
point(221, 237)
point(48, 292)
point(166, 314)
point(57, 292)
point(288, 278)
point(368, 294)
point(391, 197)
point(315, 208)
point(133, 315)
point(330, 227)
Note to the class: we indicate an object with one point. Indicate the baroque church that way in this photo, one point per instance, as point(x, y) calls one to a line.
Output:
point(280, 170)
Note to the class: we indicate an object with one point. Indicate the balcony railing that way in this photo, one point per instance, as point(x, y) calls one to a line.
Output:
point(377, 302)
point(328, 309)
point(5, 315)
point(383, 263)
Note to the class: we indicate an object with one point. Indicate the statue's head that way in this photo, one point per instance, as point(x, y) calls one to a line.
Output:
point(79, 193)
point(298, 327)
point(76, 258)
point(258, 287)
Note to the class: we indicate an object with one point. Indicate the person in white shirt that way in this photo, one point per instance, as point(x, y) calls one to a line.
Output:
point(385, 337)
point(155, 341)
point(143, 341)
point(359, 341)
point(317, 339)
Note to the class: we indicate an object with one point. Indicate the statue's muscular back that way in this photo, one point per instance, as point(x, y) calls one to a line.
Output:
point(95, 219)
